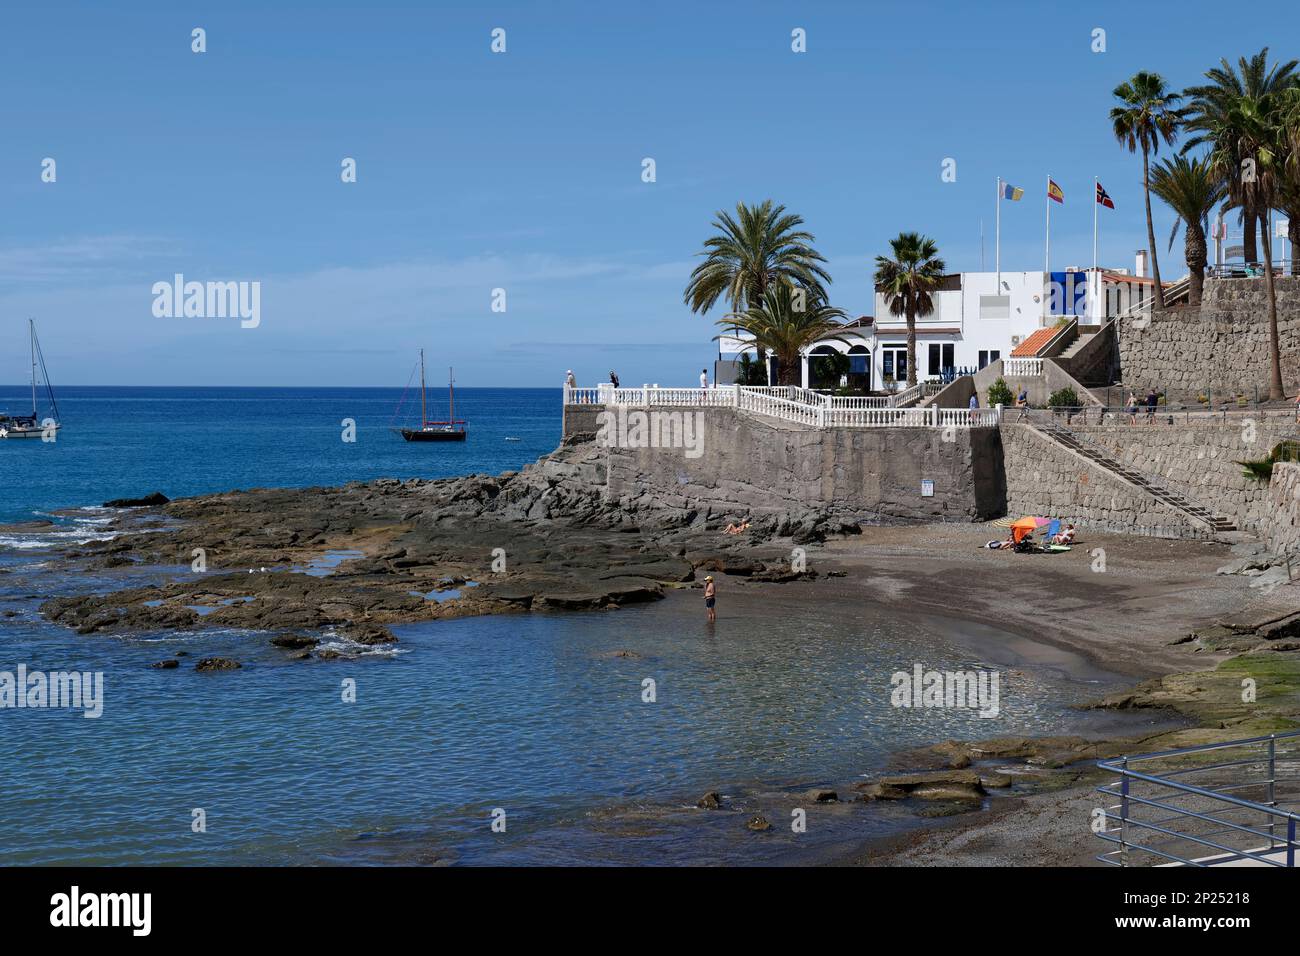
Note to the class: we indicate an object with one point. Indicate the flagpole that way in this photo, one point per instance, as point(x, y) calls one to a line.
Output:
point(997, 239)
point(1047, 253)
point(1096, 277)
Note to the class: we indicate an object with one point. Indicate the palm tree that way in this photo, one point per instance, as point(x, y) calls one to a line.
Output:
point(1251, 147)
point(1191, 188)
point(1288, 106)
point(1209, 104)
point(763, 245)
point(1146, 115)
point(779, 325)
point(760, 246)
point(907, 281)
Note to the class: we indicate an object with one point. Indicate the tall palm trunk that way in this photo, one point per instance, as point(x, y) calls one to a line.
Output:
point(1275, 358)
point(789, 371)
point(1151, 229)
point(1195, 252)
point(1249, 250)
point(911, 342)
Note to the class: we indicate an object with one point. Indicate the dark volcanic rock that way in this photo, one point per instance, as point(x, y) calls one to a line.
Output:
point(157, 498)
point(217, 664)
point(710, 801)
point(759, 823)
point(294, 641)
point(167, 665)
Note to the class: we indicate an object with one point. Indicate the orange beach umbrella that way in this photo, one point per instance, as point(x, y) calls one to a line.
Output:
point(1023, 526)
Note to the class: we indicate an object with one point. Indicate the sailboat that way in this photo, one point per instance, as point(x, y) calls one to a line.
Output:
point(29, 426)
point(452, 429)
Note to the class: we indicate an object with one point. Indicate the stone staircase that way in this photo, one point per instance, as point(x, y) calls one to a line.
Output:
point(1066, 437)
point(1085, 335)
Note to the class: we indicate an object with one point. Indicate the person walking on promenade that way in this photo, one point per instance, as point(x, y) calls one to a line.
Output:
point(1132, 408)
point(1152, 401)
point(710, 596)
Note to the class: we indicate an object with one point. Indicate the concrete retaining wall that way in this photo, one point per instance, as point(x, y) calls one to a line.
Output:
point(1222, 345)
point(1044, 478)
point(580, 420)
point(756, 465)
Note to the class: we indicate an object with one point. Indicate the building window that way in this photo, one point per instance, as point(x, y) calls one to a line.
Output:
point(893, 364)
point(989, 356)
point(941, 358)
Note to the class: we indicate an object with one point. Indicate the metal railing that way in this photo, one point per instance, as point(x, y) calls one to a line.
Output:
point(794, 404)
point(1253, 270)
point(1212, 805)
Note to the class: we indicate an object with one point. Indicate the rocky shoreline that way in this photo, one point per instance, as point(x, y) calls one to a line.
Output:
point(389, 552)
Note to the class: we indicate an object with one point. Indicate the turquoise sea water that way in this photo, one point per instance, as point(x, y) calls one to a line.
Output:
point(543, 716)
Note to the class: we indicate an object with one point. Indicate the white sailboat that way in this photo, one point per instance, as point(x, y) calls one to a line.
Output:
point(31, 426)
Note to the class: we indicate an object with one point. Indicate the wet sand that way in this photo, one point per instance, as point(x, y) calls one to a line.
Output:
point(1131, 618)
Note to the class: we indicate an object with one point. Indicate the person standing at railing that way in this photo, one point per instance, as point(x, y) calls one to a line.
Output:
point(1132, 408)
point(1152, 401)
point(974, 401)
point(613, 379)
point(570, 383)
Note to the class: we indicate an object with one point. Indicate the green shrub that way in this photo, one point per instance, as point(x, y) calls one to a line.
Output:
point(1000, 393)
point(1063, 398)
point(1262, 469)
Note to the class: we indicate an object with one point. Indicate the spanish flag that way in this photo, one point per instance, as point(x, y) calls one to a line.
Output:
point(1054, 192)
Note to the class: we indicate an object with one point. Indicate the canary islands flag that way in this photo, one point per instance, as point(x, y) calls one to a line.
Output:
point(1054, 192)
point(1011, 192)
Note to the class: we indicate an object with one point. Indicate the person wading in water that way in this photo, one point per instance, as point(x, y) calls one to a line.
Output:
point(710, 595)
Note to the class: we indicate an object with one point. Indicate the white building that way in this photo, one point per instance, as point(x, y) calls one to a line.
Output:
point(978, 318)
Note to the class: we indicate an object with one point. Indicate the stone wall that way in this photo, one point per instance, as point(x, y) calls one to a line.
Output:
point(1223, 344)
point(1200, 461)
point(1095, 363)
point(1044, 478)
point(748, 464)
point(1282, 525)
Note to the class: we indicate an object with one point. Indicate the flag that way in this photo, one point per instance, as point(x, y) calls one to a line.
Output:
point(1012, 192)
point(1103, 198)
point(1054, 192)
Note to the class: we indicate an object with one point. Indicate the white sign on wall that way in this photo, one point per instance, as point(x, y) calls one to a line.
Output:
point(927, 488)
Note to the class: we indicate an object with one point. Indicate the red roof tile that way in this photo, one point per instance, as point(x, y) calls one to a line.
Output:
point(1030, 346)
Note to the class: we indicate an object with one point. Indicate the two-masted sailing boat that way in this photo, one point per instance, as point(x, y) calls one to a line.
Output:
point(452, 429)
point(30, 426)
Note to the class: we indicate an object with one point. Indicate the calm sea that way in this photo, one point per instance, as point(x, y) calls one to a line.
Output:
point(537, 720)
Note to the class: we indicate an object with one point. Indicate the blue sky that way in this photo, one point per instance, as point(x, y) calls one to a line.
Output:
point(522, 170)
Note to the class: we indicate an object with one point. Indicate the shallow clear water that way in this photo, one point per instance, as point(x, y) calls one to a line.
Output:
point(539, 715)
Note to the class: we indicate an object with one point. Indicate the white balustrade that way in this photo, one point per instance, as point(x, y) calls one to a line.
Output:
point(1022, 366)
point(798, 405)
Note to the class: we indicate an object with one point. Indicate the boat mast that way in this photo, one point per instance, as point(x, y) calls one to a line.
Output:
point(424, 415)
point(31, 327)
point(451, 397)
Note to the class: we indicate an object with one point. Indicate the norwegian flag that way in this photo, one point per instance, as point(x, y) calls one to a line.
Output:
point(1103, 198)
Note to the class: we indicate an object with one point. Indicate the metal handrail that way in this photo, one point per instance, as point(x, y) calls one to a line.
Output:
point(1221, 801)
